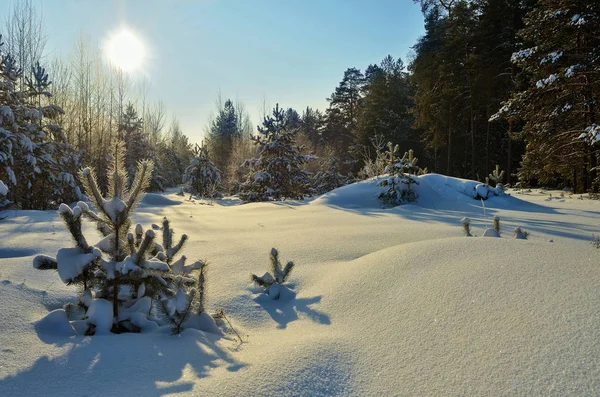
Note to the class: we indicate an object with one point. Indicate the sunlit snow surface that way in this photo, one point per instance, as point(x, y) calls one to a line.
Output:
point(382, 301)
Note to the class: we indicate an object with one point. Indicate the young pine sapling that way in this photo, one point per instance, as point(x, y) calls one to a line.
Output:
point(272, 282)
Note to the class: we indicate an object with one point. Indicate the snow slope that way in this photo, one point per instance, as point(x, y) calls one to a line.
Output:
point(387, 302)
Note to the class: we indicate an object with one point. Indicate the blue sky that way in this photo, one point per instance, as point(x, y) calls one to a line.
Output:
point(289, 51)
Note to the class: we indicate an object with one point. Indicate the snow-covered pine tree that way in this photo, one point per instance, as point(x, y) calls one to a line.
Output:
point(124, 273)
point(398, 181)
point(328, 178)
point(33, 148)
point(202, 177)
point(276, 172)
point(272, 283)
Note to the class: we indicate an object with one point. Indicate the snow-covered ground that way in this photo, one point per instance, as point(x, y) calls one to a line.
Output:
point(388, 301)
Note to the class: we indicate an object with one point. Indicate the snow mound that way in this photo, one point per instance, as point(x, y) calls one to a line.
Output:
point(363, 194)
point(55, 323)
point(157, 200)
point(433, 191)
point(100, 313)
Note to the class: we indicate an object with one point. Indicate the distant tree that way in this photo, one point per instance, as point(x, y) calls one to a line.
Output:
point(202, 176)
point(342, 114)
point(276, 172)
point(223, 131)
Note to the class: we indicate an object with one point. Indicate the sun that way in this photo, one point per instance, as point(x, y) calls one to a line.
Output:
point(125, 50)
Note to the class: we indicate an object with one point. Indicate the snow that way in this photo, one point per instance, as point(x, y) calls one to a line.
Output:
point(114, 207)
point(381, 301)
point(491, 233)
point(100, 314)
point(3, 189)
point(55, 323)
point(71, 262)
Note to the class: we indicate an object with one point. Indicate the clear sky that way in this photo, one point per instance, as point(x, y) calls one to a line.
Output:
point(293, 52)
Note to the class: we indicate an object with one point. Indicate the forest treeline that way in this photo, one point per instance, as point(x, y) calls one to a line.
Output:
point(512, 83)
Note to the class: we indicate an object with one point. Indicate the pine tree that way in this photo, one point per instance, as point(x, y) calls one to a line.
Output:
point(35, 158)
point(558, 104)
point(342, 114)
point(328, 178)
point(272, 283)
point(122, 274)
point(276, 171)
point(223, 131)
point(399, 180)
point(202, 176)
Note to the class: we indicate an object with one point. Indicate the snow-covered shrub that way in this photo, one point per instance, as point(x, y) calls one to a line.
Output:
point(520, 234)
point(272, 283)
point(125, 274)
point(399, 179)
point(328, 178)
point(276, 171)
point(202, 177)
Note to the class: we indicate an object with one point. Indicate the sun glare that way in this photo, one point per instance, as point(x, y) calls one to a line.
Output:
point(125, 50)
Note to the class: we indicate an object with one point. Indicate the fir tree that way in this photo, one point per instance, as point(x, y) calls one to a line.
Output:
point(276, 171)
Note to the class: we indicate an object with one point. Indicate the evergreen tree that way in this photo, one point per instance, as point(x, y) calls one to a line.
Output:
point(202, 176)
point(276, 172)
point(342, 114)
point(558, 105)
point(123, 273)
point(35, 158)
point(223, 131)
point(272, 283)
point(328, 178)
point(385, 110)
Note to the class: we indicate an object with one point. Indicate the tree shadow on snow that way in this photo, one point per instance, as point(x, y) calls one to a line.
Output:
point(288, 307)
point(114, 365)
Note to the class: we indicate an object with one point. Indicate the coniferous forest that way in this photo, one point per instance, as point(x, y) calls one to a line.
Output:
point(512, 83)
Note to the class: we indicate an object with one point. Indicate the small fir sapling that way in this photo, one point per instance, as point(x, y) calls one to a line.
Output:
point(188, 299)
point(466, 225)
point(496, 177)
point(124, 273)
point(496, 224)
point(520, 234)
point(272, 282)
point(399, 180)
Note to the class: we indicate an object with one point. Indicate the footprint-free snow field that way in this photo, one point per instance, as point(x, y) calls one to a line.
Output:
point(388, 302)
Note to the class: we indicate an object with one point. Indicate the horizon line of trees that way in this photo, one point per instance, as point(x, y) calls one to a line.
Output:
point(507, 82)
